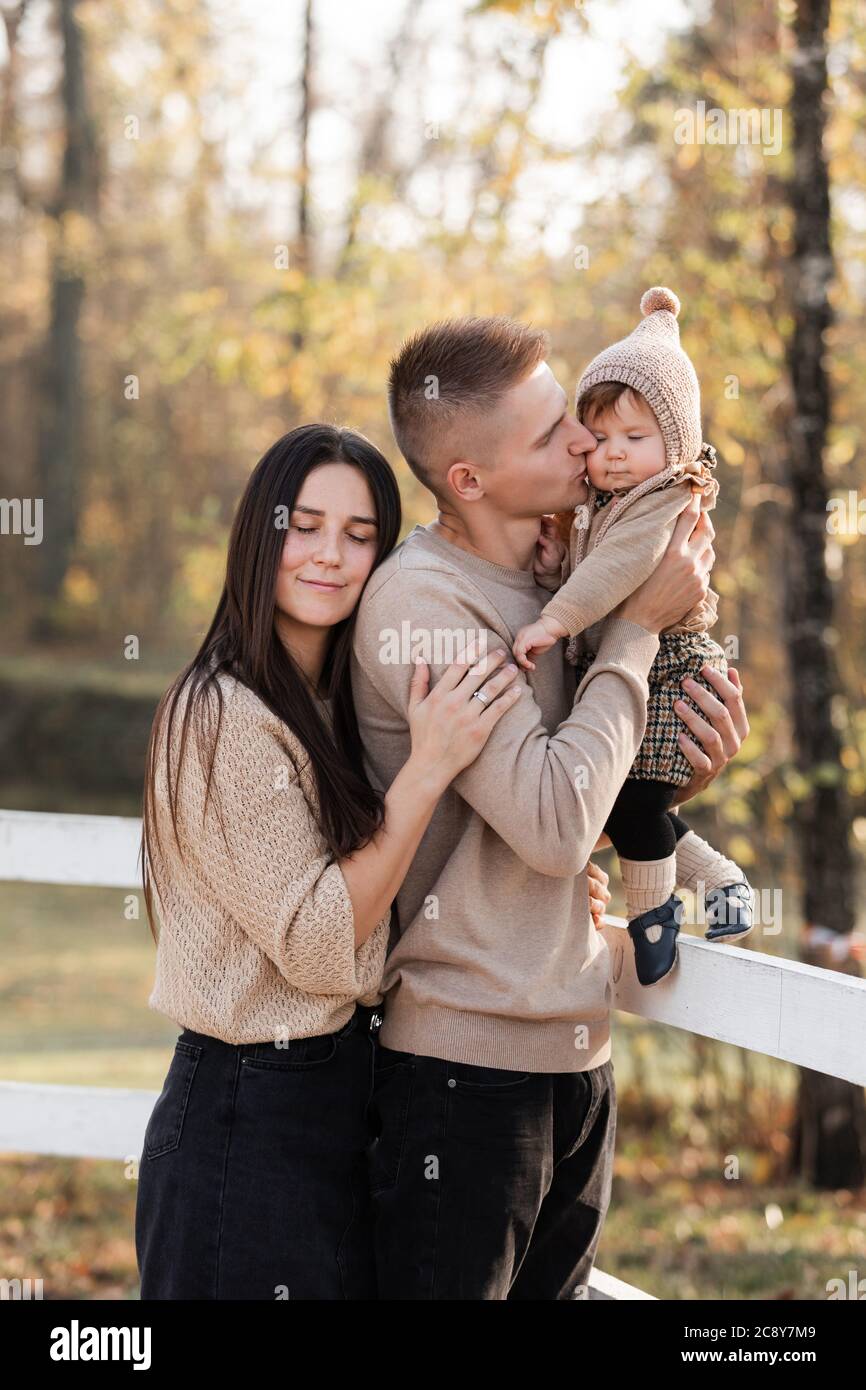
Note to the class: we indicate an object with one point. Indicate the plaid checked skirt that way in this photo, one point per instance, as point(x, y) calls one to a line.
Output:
point(680, 654)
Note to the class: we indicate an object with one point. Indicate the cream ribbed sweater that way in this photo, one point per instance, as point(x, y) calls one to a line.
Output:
point(257, 928)
point(498, 962)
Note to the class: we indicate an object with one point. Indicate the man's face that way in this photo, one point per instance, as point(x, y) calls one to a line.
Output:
point(537, 447)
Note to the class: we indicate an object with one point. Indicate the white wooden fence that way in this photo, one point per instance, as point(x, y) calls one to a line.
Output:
point(799, 1013)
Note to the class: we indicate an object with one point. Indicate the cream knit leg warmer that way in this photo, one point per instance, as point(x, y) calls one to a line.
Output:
point(647, 883)
point(698, 863)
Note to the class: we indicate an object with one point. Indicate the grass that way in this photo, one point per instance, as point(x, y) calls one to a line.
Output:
point(68, 1222)
point(107, 674)
point(73, 1003)
point(680, 1230)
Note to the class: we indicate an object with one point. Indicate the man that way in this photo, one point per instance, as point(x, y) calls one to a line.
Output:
point(495, 1098)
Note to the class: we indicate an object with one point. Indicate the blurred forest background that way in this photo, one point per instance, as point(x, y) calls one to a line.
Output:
point(217, 221)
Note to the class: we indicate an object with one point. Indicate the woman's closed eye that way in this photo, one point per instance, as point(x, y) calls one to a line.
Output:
point(308, 531)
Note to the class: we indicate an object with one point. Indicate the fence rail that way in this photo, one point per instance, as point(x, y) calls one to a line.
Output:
point(90, 851)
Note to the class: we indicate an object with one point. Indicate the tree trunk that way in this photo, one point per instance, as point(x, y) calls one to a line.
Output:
point(302, 246)
point(61, 451)
point(373, 159)
point(301, 254)
point(829, 1150)
point(9, 95)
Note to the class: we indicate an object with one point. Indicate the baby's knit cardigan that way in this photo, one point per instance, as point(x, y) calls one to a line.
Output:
point(615, 547)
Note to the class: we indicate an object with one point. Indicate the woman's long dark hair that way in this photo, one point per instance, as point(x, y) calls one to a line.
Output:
point(242, 642)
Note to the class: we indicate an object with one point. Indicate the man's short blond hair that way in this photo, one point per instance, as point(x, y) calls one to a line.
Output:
point(447, 376)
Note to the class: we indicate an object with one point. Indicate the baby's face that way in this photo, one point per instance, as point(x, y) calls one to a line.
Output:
point(629, 445)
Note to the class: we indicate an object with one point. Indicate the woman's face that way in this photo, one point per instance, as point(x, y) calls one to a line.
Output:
point(330, 547)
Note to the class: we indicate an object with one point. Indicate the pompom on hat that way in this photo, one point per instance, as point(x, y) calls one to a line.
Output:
point(650, 360)
point(659, 297)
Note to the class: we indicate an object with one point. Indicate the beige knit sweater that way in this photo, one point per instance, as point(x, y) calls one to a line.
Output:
point(498, 962)
point(257, 928)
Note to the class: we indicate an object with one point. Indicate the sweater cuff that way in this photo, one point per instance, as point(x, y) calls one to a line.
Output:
point(561, 613)
point(625, 643)
point(353, 959)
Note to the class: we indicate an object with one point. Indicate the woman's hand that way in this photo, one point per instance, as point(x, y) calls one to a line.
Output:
point(599, 897)
point(449, 727)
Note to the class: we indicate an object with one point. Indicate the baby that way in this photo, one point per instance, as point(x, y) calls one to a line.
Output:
point(641, 400)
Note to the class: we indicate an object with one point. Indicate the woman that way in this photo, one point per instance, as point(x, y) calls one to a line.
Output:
point(273, 863)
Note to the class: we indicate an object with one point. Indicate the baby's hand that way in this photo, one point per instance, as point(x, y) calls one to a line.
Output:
point(549, 555)
point(536, 637)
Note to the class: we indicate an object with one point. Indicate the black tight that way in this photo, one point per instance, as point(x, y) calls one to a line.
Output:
point(679, 825)
point(640, 825)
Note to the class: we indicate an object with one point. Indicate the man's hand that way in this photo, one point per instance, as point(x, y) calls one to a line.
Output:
point(599, 897)
point(720, 734)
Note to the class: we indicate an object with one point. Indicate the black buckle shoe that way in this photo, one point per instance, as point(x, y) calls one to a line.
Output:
point(656, 959)
point(729, 911)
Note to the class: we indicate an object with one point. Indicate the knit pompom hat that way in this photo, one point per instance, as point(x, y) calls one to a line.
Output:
point(651, 361)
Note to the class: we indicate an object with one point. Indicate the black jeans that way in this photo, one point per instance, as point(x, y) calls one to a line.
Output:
point(252, 1182)
point(488, 1184)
